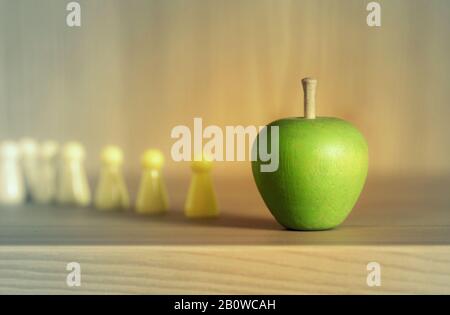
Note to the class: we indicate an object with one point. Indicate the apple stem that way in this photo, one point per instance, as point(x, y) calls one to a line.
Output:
point(309, 90)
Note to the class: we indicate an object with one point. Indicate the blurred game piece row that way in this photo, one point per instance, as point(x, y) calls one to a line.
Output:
point(152, 198)
point(41, 173)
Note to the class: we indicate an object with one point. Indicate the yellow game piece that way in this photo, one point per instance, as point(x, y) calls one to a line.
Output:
point(111, 193)
point(201, 201)
point(45, 192)
point(73, 184)
point(152, 196)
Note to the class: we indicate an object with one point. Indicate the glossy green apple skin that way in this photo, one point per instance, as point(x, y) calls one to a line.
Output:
point(323, 165)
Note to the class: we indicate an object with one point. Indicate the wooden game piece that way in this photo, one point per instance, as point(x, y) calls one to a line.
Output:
point(12, 187)
point(73, 184)
point(45, 190)
point(152, 196)
point(111, 192)
point(30, 168)
point(201, 200)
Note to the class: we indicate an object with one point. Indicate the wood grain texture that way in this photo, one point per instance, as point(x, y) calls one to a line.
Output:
point(142, 67)
point(403, 224)
point(225, 269)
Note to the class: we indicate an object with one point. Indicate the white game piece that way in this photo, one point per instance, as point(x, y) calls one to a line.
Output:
point(152, 196)
point(30, 167)
point(45, 190)
point(73, 186)
point(111, 192)
point(12, 187)
point(201, 200)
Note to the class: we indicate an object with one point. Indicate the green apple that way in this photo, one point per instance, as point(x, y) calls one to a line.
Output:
point(323, 164)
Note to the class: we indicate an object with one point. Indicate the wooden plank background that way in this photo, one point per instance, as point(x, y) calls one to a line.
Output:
point(225, 269)
point(135, 69)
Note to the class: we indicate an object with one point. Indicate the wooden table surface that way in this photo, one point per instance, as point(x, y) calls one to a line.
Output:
point(401, 223)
